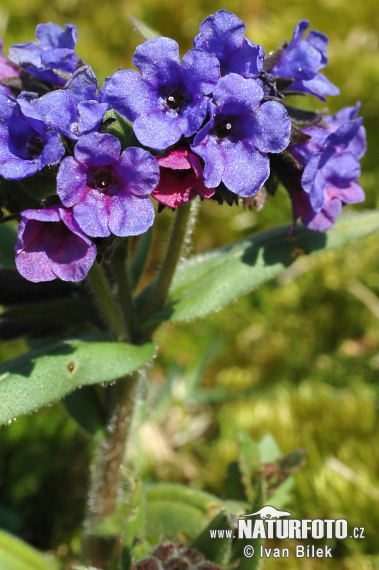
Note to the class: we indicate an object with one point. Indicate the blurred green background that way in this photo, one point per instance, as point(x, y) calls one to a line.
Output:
point(298, 358)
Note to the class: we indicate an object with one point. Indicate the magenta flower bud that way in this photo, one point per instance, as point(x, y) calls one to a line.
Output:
point(181, 178)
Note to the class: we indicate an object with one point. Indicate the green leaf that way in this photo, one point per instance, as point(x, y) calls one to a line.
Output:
point(253, 563)
point(140, 256)
point(233, 486)
point(128, 521)
point(248, 460)
point(269, 450)
point(216, 550)
point(8, 236)
point(46, 375)
point(121, 128)
point(85, 408)
point(146, 32)
point(176, 510)
point(205, 283)
point(17, 555)
point(136, 523)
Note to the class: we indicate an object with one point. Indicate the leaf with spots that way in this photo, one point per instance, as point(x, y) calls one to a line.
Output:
point(46, 375)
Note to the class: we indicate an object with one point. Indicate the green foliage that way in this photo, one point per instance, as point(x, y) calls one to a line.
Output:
point(297, 360)
point(205, 283)
point(121, 128)
point(17, 555)
point(43, 376)
point(86, 408)
point(248, 462)
point(147, 516)
point(146, 32)
point(7, 243)
point(176, 510)
point(217, 551)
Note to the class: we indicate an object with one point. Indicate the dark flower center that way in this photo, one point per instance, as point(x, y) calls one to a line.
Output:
point(35, 147)
point(223, 127)
point(175, 100)
point(103, 178)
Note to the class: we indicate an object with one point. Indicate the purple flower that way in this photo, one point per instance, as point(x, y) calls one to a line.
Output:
point(108, 192)
point(7, 69)
point(223, 34)
point(234, 143)
point(301, 61)
point(73, 111)
point(169, 100)
point(54, 50)
point(181, 178)
point(26, 144)
point(50, 244)
point(331, 169)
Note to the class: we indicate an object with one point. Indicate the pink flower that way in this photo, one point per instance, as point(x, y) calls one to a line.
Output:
point(181, 178)
point(7, 69)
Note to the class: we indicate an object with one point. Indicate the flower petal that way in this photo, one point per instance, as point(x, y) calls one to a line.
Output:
point(139, 170)
point(270, 127)
point(131, 215)
point(246, 169)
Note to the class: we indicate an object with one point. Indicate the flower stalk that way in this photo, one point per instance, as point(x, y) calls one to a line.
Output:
point(108, 305)
point(121, 270)
point(170, 261)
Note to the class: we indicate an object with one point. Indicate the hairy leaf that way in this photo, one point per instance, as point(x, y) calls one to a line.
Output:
point(46, 375)
point(206, 283)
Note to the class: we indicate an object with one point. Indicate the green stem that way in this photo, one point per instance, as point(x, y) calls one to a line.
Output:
point(172, 255)
point(120, 265)
point(109, 307)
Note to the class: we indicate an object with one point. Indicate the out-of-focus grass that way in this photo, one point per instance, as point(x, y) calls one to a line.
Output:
point(298, 358)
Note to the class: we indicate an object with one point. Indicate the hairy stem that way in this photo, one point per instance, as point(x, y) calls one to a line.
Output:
point(120, 265)
point(108, 305)
point(172, 255)
point(106, 469)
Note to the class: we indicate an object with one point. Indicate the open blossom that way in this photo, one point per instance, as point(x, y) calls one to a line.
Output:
point(108, 191)
point(50, 244)
point(235, 142)
point(301, 61)
point(181, 178)
point(72, 111)
point(223, 34)
point(169, 98)
point(331, 169)
point(26, 143)
point(54, 50)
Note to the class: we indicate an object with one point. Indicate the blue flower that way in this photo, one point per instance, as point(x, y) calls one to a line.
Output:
point(170, 99)
point(54, 50)
point(331, 168)
point(108, 192)
point(72, 111)
point(301, 61)
point(234, 143)
point(223, 34)
point(26, 143)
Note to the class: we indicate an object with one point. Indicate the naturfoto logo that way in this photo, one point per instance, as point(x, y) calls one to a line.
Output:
point(275, 524)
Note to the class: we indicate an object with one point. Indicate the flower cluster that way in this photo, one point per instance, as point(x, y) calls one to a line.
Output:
point(214, 123)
